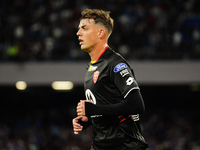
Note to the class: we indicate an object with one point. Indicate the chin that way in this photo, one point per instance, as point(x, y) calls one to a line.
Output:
point(84, 48)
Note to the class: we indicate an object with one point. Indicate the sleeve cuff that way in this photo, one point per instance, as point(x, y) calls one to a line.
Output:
point(89, 109)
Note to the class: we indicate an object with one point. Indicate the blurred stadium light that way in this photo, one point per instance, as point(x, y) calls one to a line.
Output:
point(62, 85)
point(21, 85)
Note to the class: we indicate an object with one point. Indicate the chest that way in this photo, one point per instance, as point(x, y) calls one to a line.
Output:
point(97, 76)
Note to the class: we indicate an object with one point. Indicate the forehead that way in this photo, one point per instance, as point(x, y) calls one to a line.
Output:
point(86, 22)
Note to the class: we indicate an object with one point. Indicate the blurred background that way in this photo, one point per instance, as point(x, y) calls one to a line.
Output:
point(42, 70)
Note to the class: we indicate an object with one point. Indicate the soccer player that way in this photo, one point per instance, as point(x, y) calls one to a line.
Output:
point(113, 99)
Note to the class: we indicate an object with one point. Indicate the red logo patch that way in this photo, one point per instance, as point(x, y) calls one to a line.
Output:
point(95, 77)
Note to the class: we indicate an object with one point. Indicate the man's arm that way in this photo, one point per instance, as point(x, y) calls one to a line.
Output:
point(80, 123)
point(132, 104)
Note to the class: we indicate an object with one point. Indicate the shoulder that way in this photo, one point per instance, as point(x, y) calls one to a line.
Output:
point(116, 61)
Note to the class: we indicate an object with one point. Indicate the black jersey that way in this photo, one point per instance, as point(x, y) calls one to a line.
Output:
point(109, 81)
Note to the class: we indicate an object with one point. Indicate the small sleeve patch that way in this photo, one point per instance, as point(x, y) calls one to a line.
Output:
point(120, 67)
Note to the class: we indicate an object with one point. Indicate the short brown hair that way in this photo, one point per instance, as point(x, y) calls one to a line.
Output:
point(99, 16)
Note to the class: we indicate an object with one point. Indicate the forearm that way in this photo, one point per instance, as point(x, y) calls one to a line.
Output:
point(133, 104)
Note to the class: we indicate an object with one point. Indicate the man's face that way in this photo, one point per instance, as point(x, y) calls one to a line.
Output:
point(88, 34)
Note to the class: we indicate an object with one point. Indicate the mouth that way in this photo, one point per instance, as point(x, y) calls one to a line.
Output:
point(80, 41)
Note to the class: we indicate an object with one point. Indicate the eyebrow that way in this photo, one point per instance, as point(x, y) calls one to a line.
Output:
point(82, 26)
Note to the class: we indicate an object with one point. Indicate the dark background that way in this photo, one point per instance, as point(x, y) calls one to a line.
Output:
point(40, 118)
point(172, 115)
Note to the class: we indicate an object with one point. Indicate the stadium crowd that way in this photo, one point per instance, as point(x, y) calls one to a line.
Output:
point(45, 30)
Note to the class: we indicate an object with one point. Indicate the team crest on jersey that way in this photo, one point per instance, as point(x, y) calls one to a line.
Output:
point(95, 76)
point(92, 68)
point(120, 67)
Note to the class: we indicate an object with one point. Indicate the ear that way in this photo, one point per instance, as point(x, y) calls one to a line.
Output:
point(101, 33)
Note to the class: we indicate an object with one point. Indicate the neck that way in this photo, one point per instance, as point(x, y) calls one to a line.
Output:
point(95, 53)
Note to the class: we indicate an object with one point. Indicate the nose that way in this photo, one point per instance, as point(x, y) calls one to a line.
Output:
point(78, 33)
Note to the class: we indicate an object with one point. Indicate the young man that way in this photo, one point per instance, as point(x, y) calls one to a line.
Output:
point(113, 97)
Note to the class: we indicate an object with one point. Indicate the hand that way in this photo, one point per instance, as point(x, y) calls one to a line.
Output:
point(80, 109)
point(76, 125)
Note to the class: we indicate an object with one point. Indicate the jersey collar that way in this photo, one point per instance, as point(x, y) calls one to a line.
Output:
point(100, 56)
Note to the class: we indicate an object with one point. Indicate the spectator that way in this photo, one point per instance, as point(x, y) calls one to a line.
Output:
point(148, 29)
